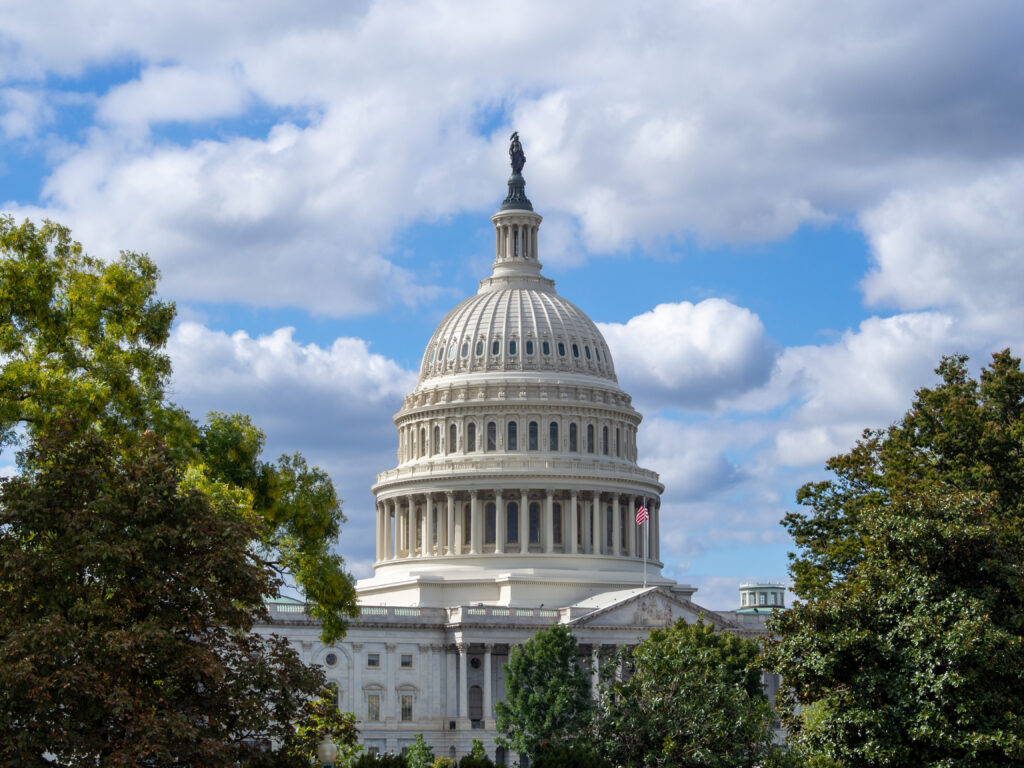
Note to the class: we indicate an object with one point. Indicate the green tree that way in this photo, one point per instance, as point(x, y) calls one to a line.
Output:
point(82, 343)
point(318, 718)
point(547, 693)
point(78, 337)
point(908, 639)
point(694, 698)
point(420, 754)
point(477, 757)
point(126, 610)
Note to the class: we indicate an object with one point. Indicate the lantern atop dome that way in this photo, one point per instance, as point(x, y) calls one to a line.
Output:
point(516, 199)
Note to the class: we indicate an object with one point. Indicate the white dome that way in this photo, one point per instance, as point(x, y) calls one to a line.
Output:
point(516, 329)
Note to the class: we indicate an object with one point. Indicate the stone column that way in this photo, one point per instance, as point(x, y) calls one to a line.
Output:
point(451, 703)
point(597, 523)
point(390, 695)
point(499, 523)
point(450, 529)
point(408, 529)
point(463, 649)
point(547, 527)
point(573, 524)
point(524, 522)
point(656, 548)
point(428, 527)
point(476, 532)
point(631, 521)
point(488, 704)
point(616, 526)
point(357, 676)
point(389, 553)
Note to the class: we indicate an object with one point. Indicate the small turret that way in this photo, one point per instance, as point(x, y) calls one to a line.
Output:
point(762, 597)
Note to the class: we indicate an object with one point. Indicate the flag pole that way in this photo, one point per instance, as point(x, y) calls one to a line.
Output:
point(647, 522)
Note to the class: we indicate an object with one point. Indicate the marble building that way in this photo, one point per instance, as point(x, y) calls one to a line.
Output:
point(512, 507)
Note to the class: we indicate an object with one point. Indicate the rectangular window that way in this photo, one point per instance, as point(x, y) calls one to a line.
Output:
point(534, 523)
point(373, 660)
point(492, 436)
point(406, 661)
point(373, 750)
point(761, 598)
point(533, 436)
point(406, 708)
point(556, 524)
point(373, 707)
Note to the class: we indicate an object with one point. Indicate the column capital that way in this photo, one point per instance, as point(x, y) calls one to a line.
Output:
point(488, 647)
point(462, 648)
point(357, 646)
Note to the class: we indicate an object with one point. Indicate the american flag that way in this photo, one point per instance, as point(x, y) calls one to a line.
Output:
point(641, 515)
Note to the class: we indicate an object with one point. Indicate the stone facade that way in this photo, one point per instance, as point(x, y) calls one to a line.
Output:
point(512, 507)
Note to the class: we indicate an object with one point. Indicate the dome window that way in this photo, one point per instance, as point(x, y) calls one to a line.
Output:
point(451, 439)
point(471, 438)
point(512, 436)
point(556, 523)
point(545, 347)
point(597, 353)
point(604, 440)
point(529, 347)
point(534, 523)
point(533, 436)
point(489, 522)
point(495, 348)
point(575, 350)
point(512, 346)
point(479, 348)
point(465, 349)
point(590, 438)
point(433, 352)
point(586, 351)
point(553, 436)
point(492, 436)
point(512, 523)
point(451, 352)
point(561, 349)
point(573, 438)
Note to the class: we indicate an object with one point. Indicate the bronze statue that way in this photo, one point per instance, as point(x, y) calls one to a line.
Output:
point(515, 152)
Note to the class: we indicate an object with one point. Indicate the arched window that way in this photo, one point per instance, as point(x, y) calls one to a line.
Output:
point(423, 442)
point(561, 349)
point(586, 351)
point(553, 436)
point(590, 438)
point(512, 523)
point(476, 703)
point(575, 350)
point(512, 441)
point(604, 440)
point(489, 523)
point(465, 349)
point(556, 523)
point(618, 442)
point(467, 523)
point(451, 438)
point(511, 346)
point(495, 348)
point(573, 442)
point(545, 347)
point(609, 525)
point(533, 436)
point(534, 523)
point(436, 447)
point(471, 438)
point(492, 436)
point(479, 348)
point(529, 347)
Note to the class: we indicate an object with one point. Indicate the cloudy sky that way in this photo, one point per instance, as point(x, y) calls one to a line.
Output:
point(781, 214)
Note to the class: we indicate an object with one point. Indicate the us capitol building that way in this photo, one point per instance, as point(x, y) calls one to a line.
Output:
point(512, 508)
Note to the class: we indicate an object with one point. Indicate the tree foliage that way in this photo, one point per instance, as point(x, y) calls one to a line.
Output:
point(547, 693)
point(126, 606)
point(82, 343)
point(318, 718)
point(694, 698)
point(420, 754)
point(910, 565)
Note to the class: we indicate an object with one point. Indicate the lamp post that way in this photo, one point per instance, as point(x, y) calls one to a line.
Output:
point(327, 751)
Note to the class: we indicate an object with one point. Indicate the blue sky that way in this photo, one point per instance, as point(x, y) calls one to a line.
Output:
point(782, 215)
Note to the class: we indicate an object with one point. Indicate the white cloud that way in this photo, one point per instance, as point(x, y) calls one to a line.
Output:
point(174, 93)
point(23, 113)
point(956, 246)
point(728, 121)
point(334, 404)
point(691, 355)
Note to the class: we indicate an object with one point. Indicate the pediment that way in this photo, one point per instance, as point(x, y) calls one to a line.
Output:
point(653, 608)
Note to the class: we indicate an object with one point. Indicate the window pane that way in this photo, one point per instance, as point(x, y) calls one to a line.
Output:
point(479, 348)
point(590, 438)
point(495, 347)
point(561, 348)
point(553, 436)
point(533, 435)
point(545, 347)
point(489, 523)
point(373, 659)
point(406, 708)
point(512, 523)
point(512, 436)
point(512, 347)
point(373, 707)
point(556, 523)
point(406, 661)
point(529, 347)
point(534, 523)
point(492, 436)
point(471, 438)
point(573, 443)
